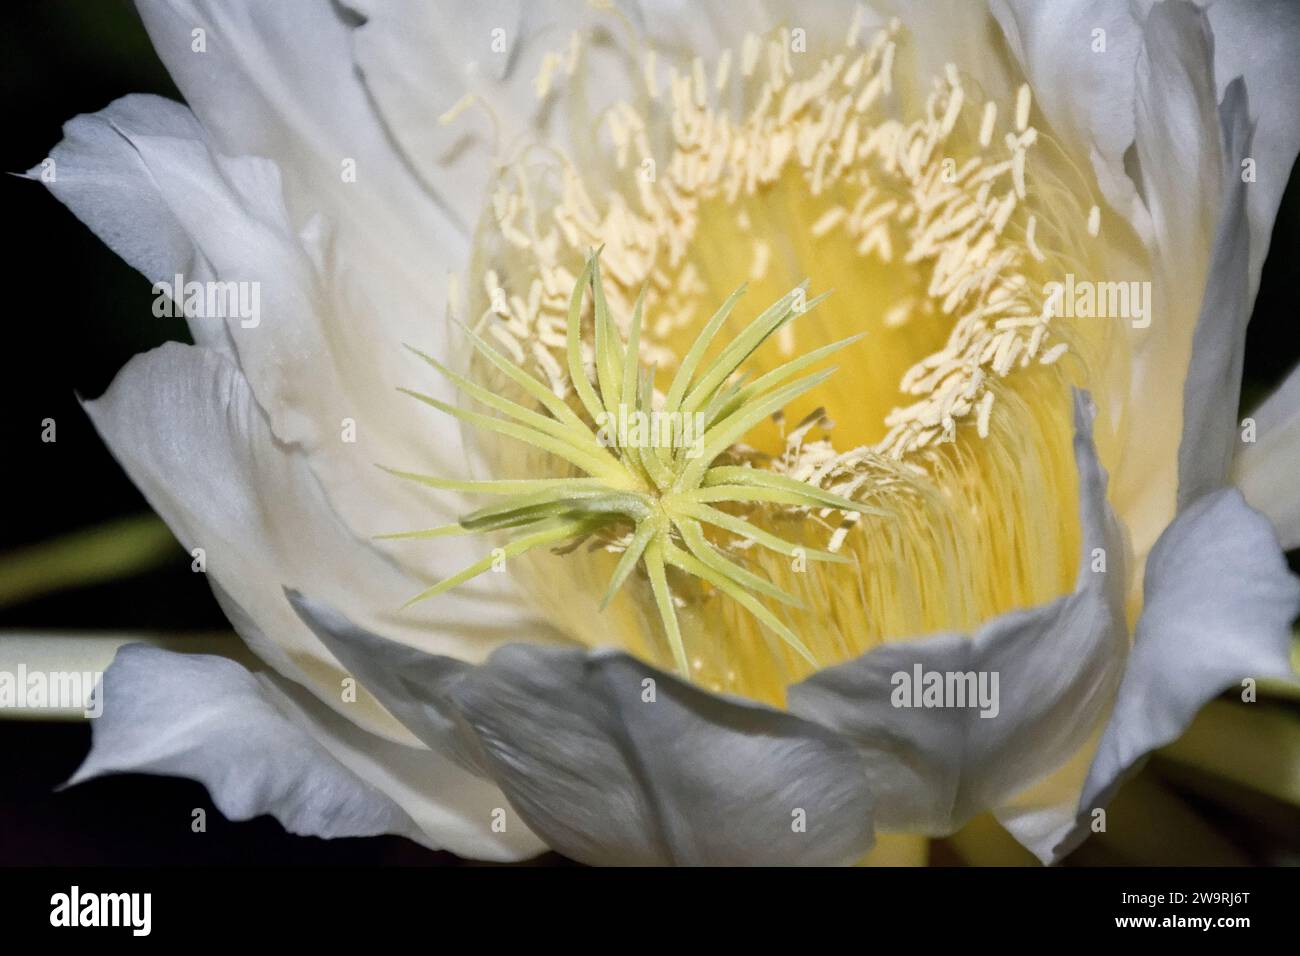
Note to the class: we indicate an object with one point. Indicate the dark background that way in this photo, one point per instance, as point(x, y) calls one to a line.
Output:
point(75, 314)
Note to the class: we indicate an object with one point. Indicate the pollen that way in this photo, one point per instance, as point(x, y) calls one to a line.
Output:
point(936, 214)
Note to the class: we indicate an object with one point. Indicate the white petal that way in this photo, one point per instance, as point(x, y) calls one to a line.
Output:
point(277, 80)
point(207, 718)
point(264, 745)
point(326, 347)
point(233, 211)
point(606, 776)
point(682, 29)
point(1209, 435)
point(100, 176)
point(1219, 602)
point(1266, 469)
point(1213, 384)
point(1259, 40)
point(1086, 95)
point(1058, 666)
point(417, 62)
point(1178, 162)
point(950, 31)
point(452, 808)
point(413, 685)
point(184, 424)
point(316, 358)
point(614, 762)
point(1040, 814)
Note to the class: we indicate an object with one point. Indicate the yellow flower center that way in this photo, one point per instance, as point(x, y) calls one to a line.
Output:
point(937, 217)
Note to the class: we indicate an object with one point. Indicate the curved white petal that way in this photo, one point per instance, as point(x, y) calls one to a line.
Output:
point(612, 761)
point(452, 808)
point(263, 745)
point(277, 81)
point(1213, 384)
point(146, 178)
point(1219, 602)
point(418, 61)
point(1259, 40)
point(1208, 437)
point(1155, 86)
point(1037, 816)
point(103, 179)
point(686, 28)
point(208, 719)
point(1206, 445)
point(100, 178)
point(951, 31)
point(1057, 668)
point(1088, 94)
point(607, 775)
point(1083, 81)
point(413, 685)
point(233, 212)
point(1266, 468)
point(321, 345)
point(322, 364)
point(184, 425)
point(1178, 162)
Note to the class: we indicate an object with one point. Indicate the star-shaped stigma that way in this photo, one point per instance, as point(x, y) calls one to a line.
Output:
point(662, 495)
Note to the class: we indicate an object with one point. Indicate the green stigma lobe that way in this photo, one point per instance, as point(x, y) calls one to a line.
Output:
point(663, 496)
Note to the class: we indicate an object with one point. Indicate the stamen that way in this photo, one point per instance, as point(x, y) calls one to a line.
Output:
point(940, 229)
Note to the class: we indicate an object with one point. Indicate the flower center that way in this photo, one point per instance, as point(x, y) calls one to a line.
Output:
point(937, 228)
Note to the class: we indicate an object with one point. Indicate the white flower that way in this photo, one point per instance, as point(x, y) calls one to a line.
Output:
point(939, 171)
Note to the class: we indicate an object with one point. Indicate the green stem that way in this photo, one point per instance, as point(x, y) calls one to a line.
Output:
point(89, 556)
